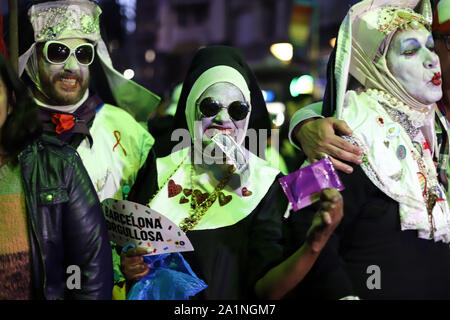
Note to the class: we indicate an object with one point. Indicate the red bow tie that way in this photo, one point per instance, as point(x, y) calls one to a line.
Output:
point(63, 122)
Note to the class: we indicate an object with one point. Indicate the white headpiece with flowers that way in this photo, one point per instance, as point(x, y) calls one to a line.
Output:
point(80, 19)
point(391, 162)
point(65, 19)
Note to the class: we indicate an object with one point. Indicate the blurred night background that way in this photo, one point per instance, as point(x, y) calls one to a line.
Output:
point(153, 42)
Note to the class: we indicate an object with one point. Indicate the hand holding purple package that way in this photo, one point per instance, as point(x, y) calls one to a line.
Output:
point(303, 186)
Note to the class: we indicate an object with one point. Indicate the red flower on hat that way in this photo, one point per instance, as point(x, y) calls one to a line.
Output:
point(63, 122)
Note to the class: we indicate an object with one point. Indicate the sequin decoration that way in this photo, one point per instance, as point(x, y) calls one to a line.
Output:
point(393, 17)
point(401, 152)
point(392, 130)
point(418, 147)
point(59, 20)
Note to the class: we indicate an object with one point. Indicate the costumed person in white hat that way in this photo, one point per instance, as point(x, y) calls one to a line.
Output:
point(393, 242)
point(54, 242)
point(317, 135)
point(231, 208)
point(83, 100)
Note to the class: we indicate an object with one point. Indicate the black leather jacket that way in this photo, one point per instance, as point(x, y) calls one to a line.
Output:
point(66, 224)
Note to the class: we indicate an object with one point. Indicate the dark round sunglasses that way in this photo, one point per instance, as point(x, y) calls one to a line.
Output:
point(57, 52)
point(237, 110)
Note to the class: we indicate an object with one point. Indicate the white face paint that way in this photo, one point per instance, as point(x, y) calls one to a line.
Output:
point(413, 62)
point(225, 93)
point(63, 84)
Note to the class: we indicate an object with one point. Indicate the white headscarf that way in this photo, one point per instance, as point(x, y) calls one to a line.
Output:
point(204, 81)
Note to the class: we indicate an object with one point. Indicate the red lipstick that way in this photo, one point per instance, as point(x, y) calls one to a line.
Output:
point(436, 80)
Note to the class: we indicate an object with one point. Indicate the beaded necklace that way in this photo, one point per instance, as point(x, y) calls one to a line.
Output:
point(198, 204)
point(416, 117)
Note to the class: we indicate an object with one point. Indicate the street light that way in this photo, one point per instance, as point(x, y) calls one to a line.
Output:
point(301, 85)
point(128, 74)
point(282, 51)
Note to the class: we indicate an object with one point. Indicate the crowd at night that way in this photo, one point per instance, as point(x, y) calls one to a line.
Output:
point(224, 150)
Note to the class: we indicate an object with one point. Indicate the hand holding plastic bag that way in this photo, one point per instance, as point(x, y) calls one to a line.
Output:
point(170, 278)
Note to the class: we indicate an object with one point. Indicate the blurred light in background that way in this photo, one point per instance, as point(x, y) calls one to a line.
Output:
point(333, 42)
point(128, 9)
point(268, 95)
point(277, 109)
point(282, 51)
point(128, 74)
point(301, 85)
point(150, 55)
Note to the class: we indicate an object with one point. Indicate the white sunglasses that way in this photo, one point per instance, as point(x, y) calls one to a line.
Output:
point(56, 52)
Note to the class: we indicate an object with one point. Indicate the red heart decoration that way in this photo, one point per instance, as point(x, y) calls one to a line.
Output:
point(173, 189)
point(187, 192)
point(246, 192)
point(183, 200)
point(223, 199)
point(201, 197)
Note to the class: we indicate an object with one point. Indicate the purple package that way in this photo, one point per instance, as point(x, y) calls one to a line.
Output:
point(302, 187)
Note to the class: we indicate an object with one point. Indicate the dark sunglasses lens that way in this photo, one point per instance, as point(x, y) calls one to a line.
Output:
point(238, 110)
point(209, 107)
point(84, 54)
point(57, 52)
